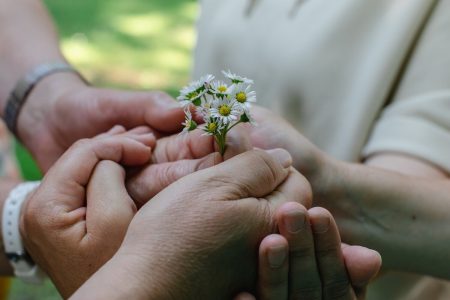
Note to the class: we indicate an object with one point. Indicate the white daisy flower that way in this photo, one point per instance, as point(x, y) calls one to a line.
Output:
point(220, 89)
point(244, 96)
point(191, 94)
point(226, 110)
point(206, 80)
point(212, 127)
point(236, 78)
point(188, 123)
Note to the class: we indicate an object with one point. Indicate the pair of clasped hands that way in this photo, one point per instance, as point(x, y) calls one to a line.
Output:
point(146, 213)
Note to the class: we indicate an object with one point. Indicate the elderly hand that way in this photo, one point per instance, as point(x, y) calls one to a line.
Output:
point(62, 109)
point(198, 238)
point(275, 132)
point(77, 218)
point(177, 156)
point(319, 266)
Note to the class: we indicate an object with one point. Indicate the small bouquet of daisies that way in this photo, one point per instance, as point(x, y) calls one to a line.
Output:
point(220, 105)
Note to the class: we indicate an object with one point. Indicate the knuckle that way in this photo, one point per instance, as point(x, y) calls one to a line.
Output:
point(170, 173)
point(264, 162)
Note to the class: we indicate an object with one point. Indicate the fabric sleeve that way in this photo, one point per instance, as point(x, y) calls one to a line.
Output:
point(417, 120)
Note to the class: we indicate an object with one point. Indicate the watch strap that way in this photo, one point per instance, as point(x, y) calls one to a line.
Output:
point(23, 265)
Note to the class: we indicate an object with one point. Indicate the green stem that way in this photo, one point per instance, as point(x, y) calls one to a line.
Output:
point(221, 142)
point(232, 126)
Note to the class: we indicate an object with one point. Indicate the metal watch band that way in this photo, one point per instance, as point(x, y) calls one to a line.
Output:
point(23, 88)
point(23, 265)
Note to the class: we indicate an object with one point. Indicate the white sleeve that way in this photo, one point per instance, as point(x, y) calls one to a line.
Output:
point(417, 121)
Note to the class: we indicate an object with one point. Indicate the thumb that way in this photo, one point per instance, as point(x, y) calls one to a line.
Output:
point(362, 265)
point(151, 180)
point(109, 207)
point(136, 108)
point(72, 172)
point(254, 173)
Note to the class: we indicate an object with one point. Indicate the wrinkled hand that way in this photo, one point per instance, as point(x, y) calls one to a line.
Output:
point(77, 218)
point(273, 131)
point(177, 156)
point(62, 109)
point(318, 266)
point(205, 231)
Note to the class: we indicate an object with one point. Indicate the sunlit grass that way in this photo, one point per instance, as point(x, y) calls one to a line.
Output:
point(145, 50)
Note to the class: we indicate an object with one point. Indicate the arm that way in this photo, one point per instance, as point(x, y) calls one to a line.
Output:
point(27, 38)
point(392, 203)
point(61, 108)
point(395, 204)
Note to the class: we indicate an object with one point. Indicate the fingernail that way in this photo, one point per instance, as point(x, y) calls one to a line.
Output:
point(277, 256)
point(282, 156)
point(321, 225)
point(294, 221)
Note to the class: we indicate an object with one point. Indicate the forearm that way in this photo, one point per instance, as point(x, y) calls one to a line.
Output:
point(27, 38)
point(405, 218)
point(121, 278)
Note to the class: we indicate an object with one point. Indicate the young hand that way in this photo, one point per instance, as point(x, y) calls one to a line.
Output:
point(318, 266)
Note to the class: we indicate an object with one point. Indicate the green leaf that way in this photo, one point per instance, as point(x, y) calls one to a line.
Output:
point(245, 118)
point(197, 102)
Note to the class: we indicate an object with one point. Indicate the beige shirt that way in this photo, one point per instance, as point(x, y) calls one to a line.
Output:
point(356, 77)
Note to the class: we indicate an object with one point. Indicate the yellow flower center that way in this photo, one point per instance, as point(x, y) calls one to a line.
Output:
point(241, 97)
point(224, 110)
point(222, 88)
point(212, 127)
point(188, 123)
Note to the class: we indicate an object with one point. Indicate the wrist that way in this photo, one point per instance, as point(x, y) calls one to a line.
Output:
point(141, 277)
point(37, 114)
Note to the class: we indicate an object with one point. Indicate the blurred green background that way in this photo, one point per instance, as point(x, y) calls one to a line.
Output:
point(133, 44)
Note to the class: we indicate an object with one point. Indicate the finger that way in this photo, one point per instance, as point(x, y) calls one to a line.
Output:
point(109, 207)
point(131, 109)
point(273, 270)
point(254, 173)
point(117, 129)
point(140, 130)
point(238, 141)
point(183, 146)
point(147, 139)
point(196, 144)
point(362, 265)
point(245, 177)
point(141, 134)
point(295, 188)
point(75, 167)
point(304, 276)
point(145, 184)
point(245, 296)
point(335, 282)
